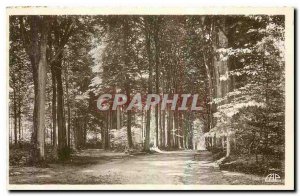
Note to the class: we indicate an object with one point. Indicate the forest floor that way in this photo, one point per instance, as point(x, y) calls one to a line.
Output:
point(95, 166)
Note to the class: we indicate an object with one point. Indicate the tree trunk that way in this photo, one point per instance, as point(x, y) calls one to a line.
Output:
point(36, 49)
point(19, 116)
point(160, 128)
point(103, 138)
point(228, 147)
point(169, 123)
point(69, 126)
point(54, 129)
point(147, 134)
point(15, 114)
point(210, 93)
point(84, 133)
point(106, 139)
point(176, 123)
point(68, 112)
point(157, 51)
point(118, 118)
point(142, 124)
point(129, 136)
point(40, 96)
point(163, 130)
point(126, 62)
point(10, 129)
point(150, 69)
point(63, 152)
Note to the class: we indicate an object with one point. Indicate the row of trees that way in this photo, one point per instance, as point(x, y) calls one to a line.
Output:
point(155, 54)
point(42, 51)
point(250, 107)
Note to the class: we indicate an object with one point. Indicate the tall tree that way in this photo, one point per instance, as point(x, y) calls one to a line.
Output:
point(34, 30)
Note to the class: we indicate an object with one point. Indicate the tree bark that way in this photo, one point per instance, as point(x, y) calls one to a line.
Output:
point(157, 51)
point(68, 111)
point(19, 116)
point(118, 118)
point(128, 82)
point(150, 69)
point(163, 129)
point(41, 92)
point(129, 136)
point(106, 139)
point(15, 112)
point(63, 152)
point(36, 48)
point(169, 128)
point(175, 128)
point(54, 129)
point(228, 147)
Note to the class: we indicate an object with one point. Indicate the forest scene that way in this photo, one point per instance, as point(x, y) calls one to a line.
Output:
point(230, 67)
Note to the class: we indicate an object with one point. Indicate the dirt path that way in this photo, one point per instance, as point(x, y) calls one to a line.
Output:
point(99, 167)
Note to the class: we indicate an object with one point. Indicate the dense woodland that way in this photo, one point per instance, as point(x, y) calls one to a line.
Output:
point(60, 65)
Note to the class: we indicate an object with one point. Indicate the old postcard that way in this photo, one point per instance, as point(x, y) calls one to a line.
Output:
point(150, 99)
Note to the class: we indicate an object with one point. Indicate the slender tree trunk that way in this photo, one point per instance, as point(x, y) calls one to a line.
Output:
point(63, 152)
point(228, 147)
point(150, 69)
point(68, 111)
point(34, 59)
point(160, 128)
point(76, 132)
point(173, 129)
point(84, 133)
point(180, 130)
point(129, 136)
point(103, 138)
point(54, 129)
point(118, 118)
point(19, 116)
point(175, 133)
point(107, 145)
point(169, 125)
point(163, 128)
point(10, 129)
point(147, 134)
point(126, 62)
point(69, 126)
point(210, 93)
point(15, 114)
point(157, 51)
point(142, 126)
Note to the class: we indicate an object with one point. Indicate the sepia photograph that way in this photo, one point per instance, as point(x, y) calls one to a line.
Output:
point(141, 99)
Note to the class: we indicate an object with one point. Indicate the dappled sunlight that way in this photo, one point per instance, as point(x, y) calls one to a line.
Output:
point(178, 167)
point(228, 173)
point(168, 163)
point(44, 176)
point(179, 174)
point(88, 171)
